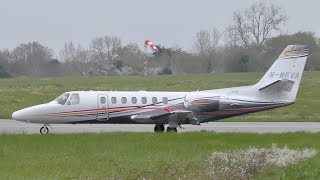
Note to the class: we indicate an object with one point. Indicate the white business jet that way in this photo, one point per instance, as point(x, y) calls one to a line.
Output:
point(277, 88)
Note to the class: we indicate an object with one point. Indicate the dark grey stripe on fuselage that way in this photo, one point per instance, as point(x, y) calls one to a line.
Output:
point(211, 116)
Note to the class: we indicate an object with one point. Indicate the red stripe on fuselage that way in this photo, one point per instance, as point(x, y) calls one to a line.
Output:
point(117, 109)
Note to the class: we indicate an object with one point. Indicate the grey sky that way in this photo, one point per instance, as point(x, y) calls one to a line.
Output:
point(166, 22)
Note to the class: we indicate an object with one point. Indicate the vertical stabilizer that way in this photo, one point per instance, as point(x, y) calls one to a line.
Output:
point(283, 78)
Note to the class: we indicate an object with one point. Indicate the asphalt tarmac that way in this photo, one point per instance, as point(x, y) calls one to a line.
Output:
point(16, 127)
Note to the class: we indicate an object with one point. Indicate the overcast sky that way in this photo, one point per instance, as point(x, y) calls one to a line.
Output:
point(165, 22)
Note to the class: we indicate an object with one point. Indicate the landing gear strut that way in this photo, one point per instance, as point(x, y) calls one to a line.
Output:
point(173, 124)
point(44, 129)
point(159, 128)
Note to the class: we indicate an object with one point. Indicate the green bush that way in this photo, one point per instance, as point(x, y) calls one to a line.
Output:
point(166, 71)
point(4, 73)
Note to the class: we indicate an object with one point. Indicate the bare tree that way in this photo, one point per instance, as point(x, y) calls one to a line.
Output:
point(254, 25)
point(131, 55)
point(5, 57)
point(97, 47)
point(206, 45)
point(68, 53)
point(131, 49)
point(216, 37)
point(32, 56)
point(202, 44)
point(76, 58)
point(83, 59)
point(106, 48)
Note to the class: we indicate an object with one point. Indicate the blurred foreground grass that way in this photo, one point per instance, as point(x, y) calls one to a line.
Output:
point(138, 155)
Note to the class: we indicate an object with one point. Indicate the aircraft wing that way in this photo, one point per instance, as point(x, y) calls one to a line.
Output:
point(151, 116)
point(174, 115)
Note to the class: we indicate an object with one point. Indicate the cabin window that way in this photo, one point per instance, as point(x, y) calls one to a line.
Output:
point(74, 99)
point(114, 100)
point(165, 100)
point(103, 100)
point(134, 100)
point(62, 99)
point(144, 100)
point(154, 100)
point(124, 100)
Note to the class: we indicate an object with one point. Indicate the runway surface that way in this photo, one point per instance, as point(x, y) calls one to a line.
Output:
point(16, 127)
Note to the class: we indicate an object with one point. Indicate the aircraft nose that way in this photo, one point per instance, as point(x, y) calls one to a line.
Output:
point(31, 114)
point(18, 115)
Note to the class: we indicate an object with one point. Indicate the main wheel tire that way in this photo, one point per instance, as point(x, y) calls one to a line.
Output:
point(162, 127)
point(169, 129)
point(174, 130)
point(159, 128)
point(44, 130)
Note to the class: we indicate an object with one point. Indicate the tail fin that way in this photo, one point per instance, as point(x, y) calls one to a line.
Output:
point(282, 80)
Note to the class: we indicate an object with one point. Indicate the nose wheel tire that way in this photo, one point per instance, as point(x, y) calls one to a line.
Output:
point(44, 130)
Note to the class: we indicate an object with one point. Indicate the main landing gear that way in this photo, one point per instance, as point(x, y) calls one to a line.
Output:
point(44, 129)
point(160, 128)
point(172, 129)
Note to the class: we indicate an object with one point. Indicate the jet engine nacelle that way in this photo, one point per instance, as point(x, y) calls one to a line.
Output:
point(206, 102)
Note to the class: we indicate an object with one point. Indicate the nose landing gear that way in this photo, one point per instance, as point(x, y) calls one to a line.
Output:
point(44, 129)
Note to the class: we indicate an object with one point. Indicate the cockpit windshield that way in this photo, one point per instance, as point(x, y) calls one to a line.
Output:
point(74, 99)
point(62, 99)
point(68, 99)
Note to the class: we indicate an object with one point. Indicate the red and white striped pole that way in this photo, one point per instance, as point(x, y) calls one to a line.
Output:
point(145, 63)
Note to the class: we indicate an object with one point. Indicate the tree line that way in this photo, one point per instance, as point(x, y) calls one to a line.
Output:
point(251, 43)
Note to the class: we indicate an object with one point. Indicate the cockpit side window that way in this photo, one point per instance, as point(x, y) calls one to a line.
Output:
point(75, 98)
point(62, 99)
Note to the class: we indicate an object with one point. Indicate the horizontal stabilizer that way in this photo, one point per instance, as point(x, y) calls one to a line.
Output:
point(279, 85)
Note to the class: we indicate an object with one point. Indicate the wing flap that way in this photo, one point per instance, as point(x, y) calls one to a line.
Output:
point(147, 116)
point(175, 115)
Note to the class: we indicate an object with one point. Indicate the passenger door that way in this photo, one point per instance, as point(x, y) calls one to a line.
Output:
point(103, 107)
